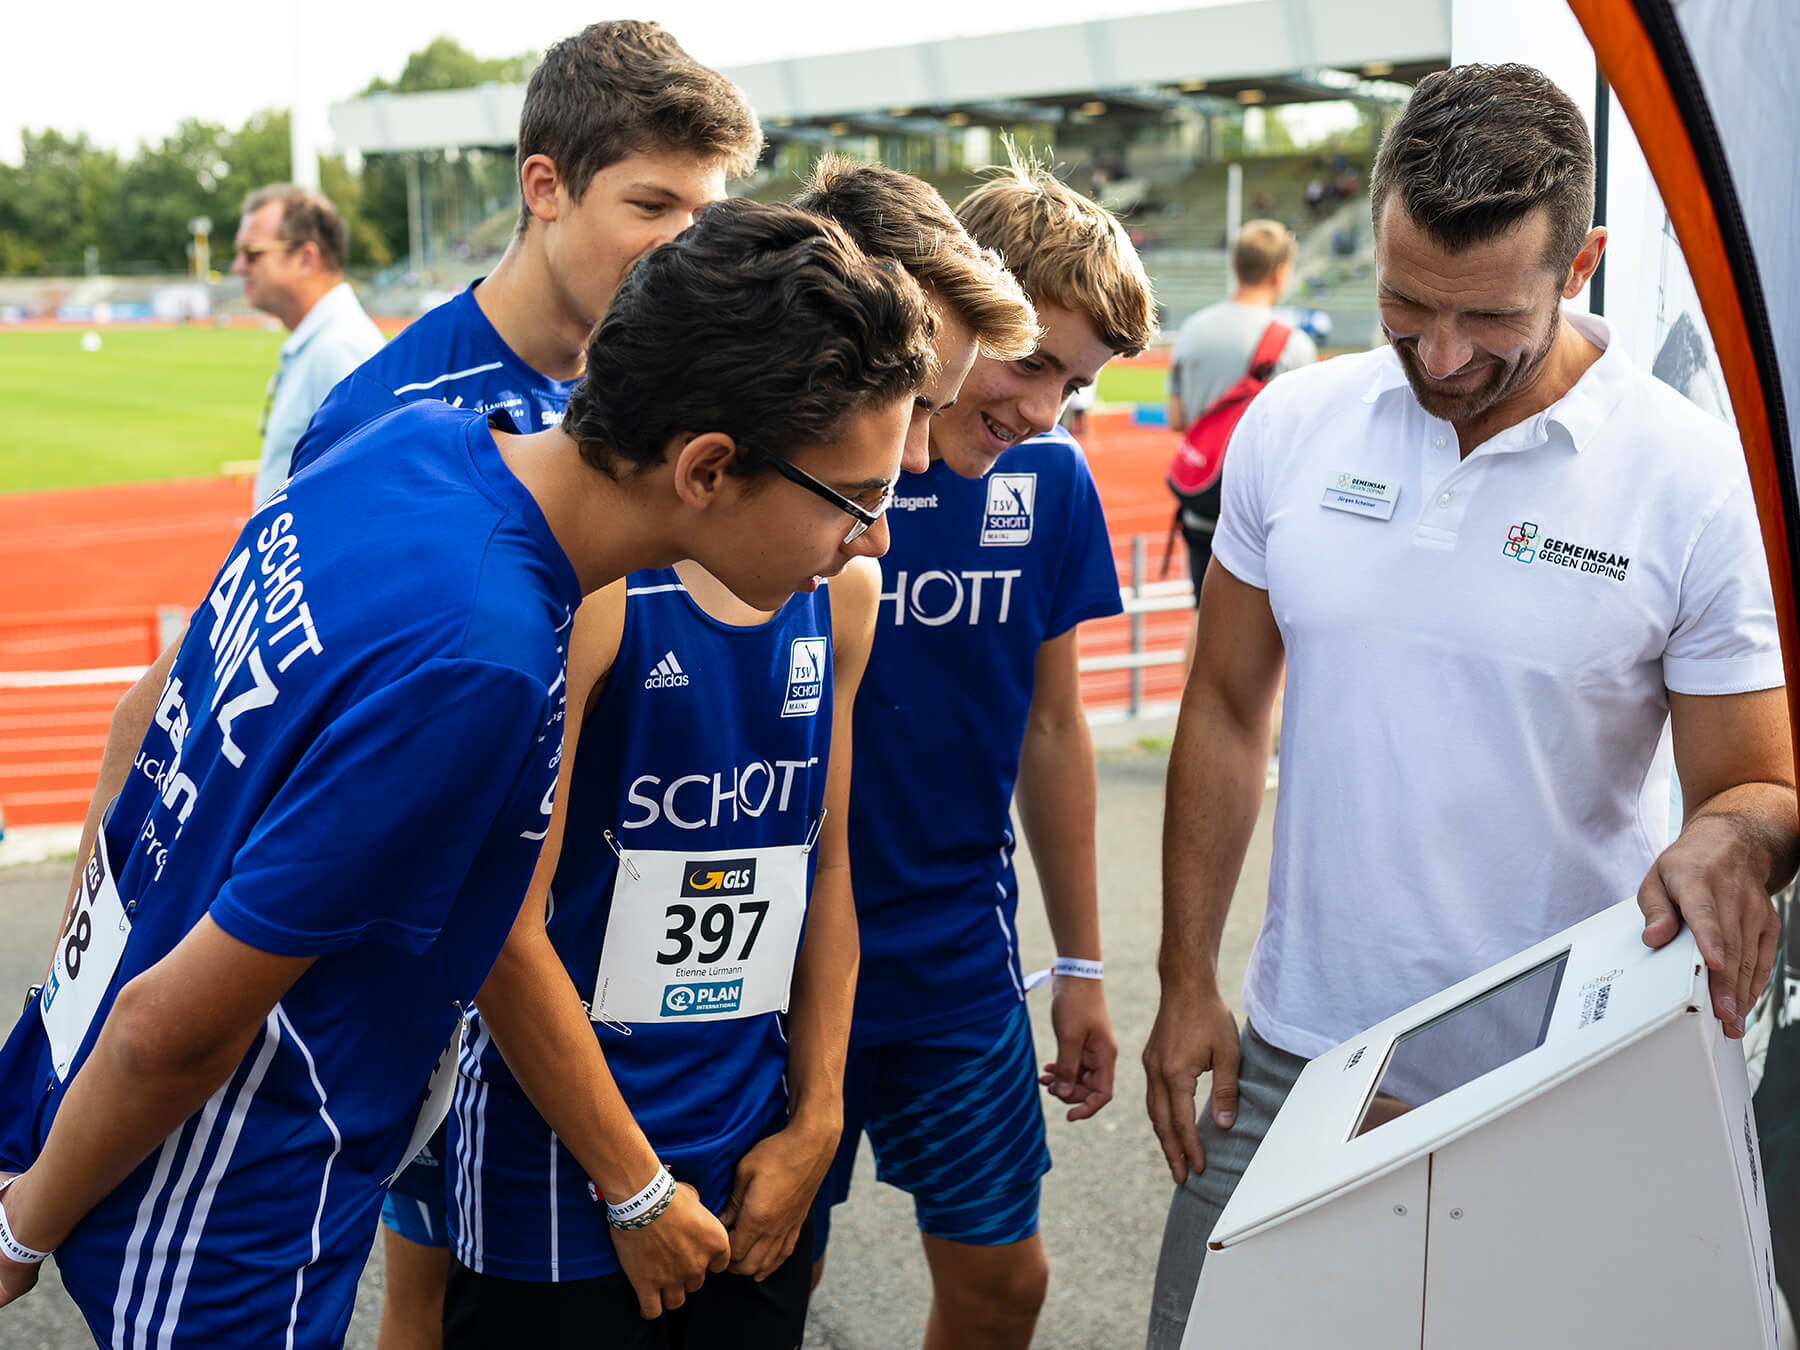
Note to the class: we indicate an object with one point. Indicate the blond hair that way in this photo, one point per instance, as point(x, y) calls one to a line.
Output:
point(894, 215)
point(1065, 250)
point(1263, 247)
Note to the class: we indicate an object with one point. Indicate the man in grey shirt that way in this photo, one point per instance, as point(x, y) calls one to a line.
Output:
point(1213, 350)
point(291, 244)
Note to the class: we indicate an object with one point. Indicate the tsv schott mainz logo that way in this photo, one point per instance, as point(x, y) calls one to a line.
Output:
point(806, 677)
point(1010, 499)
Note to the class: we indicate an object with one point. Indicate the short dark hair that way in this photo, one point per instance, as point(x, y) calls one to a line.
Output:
point(759, 321)
point(626, 87)
point(307, 217)
point(1478, 148)
point(891, 214)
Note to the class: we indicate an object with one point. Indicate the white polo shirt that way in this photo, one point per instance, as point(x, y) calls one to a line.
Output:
point(1476, 687)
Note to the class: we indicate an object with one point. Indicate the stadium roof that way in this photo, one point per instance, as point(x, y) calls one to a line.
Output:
point(1251, 52)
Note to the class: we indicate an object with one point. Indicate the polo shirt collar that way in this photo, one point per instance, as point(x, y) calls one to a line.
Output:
point(1580, 413)
point(328, 306)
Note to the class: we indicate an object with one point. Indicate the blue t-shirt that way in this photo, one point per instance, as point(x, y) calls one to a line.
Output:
point(980, 573)
point(452, 354)
point(708, 738)
point(352, 760)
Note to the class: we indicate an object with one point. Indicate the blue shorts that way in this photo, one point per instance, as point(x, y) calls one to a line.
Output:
point(955, 1120)
point(416, 1204)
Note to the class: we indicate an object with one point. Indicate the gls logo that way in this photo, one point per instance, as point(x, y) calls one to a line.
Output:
point(719, 876)
point(806, 677)
point(1010, 497)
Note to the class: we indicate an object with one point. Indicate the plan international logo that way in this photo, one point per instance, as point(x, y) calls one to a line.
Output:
point(1010, 497)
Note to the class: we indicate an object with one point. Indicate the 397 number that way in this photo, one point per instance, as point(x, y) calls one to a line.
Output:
point(717, 926)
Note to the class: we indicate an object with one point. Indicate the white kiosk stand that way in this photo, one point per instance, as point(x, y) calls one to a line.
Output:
point(1558, 1152)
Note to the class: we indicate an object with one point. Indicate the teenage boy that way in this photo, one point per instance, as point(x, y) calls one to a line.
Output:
point(972, 686)
point(717, 747)
point(275, 935)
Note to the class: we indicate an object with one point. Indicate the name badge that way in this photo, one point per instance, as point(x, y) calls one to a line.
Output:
point(1361, 496)
point(87, 956)
point(701, 937)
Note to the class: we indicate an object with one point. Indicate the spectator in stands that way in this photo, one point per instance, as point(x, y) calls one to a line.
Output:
point(1212, 353)
point(291, 245)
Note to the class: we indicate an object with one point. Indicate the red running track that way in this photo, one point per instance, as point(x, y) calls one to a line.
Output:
point(87, 570)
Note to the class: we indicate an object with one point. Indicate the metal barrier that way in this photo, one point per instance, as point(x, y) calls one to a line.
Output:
point(1140, 598)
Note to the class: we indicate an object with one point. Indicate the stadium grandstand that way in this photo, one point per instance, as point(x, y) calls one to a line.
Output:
point(1149, 113)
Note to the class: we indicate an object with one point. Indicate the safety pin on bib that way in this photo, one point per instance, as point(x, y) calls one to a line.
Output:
point(813, 837)
point(624, 862)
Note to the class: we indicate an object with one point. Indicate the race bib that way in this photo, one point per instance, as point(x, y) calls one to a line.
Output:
point(697, 937)
point(438, 1092)
point(87, 957)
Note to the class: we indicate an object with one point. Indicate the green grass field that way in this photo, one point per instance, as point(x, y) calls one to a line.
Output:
point(158, 403)
point(1133, 384)
point(152, 403)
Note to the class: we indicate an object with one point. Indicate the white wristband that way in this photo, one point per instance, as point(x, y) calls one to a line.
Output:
point(1064, 965)
point(660, 1186)
point(10, 1247)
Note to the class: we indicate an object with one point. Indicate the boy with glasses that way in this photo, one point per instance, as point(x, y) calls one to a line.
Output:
point(356, 762)
point(706, 808)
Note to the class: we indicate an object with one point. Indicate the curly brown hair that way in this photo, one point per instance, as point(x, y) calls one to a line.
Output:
point(762, 322)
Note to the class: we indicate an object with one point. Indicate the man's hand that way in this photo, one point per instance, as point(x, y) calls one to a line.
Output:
point(1086, 1052)
point(1713, 877)
point(672, 1257)
point(16, 1279)
point(1189, 1037)
point(773, 1194)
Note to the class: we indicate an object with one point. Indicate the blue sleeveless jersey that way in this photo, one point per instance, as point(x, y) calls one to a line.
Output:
point(706, 738)
point(351, 760)
point(980, 573)
point(451, 354)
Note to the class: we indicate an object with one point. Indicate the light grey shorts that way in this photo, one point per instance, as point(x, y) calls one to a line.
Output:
point(1265, 1077)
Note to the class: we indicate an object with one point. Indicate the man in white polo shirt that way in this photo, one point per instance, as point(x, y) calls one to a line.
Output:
point(1497, 560)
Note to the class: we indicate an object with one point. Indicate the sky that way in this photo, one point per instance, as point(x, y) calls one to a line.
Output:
point(132, 71)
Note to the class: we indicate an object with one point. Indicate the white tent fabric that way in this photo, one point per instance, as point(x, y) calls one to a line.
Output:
point(1747, 56)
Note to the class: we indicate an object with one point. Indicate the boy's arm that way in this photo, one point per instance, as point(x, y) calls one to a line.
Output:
point(777, 1180)
point(130, 724)
point(173, 1036)
point(1056, 801)
point(535, 1016)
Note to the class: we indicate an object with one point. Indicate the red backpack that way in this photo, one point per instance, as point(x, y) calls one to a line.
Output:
point(1200, 459)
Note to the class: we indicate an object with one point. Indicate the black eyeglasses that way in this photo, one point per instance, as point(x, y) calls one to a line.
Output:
point(863, 516)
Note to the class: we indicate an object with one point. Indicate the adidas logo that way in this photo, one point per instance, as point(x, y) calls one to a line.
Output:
point(667, 675)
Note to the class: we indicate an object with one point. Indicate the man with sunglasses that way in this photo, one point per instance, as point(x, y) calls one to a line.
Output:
point(291, 244)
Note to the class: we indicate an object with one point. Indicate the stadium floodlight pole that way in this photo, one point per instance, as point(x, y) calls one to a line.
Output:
point(303, 148)
point(1234, 216)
